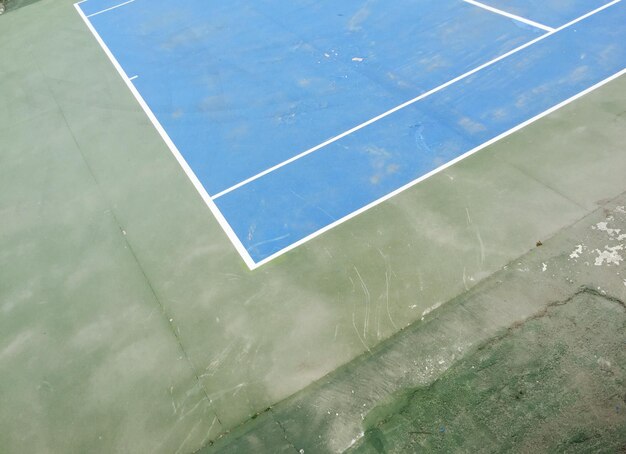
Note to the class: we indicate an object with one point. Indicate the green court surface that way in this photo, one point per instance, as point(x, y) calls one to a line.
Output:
point(128, 322)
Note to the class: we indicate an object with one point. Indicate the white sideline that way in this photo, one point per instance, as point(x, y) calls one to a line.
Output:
point(230, 233)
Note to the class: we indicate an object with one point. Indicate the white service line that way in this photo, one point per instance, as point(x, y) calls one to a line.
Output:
point(410, 102)
point(509, 15)
point(109, 9)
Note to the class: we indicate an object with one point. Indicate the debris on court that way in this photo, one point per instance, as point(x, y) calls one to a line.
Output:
point(576, 253)
point(603, 227)
point(609, 255)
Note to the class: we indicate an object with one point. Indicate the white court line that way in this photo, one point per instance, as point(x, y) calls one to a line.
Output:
point(509, 15)
point(109, 9)
point(170, 144)
point(437, 170)
point(132, 78)
point(220, 217)
point(410, 102)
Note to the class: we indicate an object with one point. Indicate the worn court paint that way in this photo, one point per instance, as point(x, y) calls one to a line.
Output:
point(376, 160)
point(284, 79)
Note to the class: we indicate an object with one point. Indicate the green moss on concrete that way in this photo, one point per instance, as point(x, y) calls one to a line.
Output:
point(555, 384)
point(8, 5)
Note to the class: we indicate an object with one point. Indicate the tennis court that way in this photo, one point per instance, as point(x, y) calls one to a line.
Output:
point(293, 119)
point(242, 226)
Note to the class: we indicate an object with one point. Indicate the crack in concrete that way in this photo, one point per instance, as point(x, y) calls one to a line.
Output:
point(606, 296)
point(583, 290)
point(529, 175)
point(130, 248)
point(284, 431)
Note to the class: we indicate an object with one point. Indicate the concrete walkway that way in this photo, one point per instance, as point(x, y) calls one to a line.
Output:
point(532, 359)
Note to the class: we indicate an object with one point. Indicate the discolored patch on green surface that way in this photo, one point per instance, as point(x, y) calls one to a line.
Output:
point(557, 383)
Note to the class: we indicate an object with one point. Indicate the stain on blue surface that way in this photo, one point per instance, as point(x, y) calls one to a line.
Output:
point(240, 88)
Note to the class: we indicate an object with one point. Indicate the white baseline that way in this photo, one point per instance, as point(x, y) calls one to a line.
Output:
point(437, 170)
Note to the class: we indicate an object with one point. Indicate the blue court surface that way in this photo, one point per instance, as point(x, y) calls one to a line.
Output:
point(292, 117)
